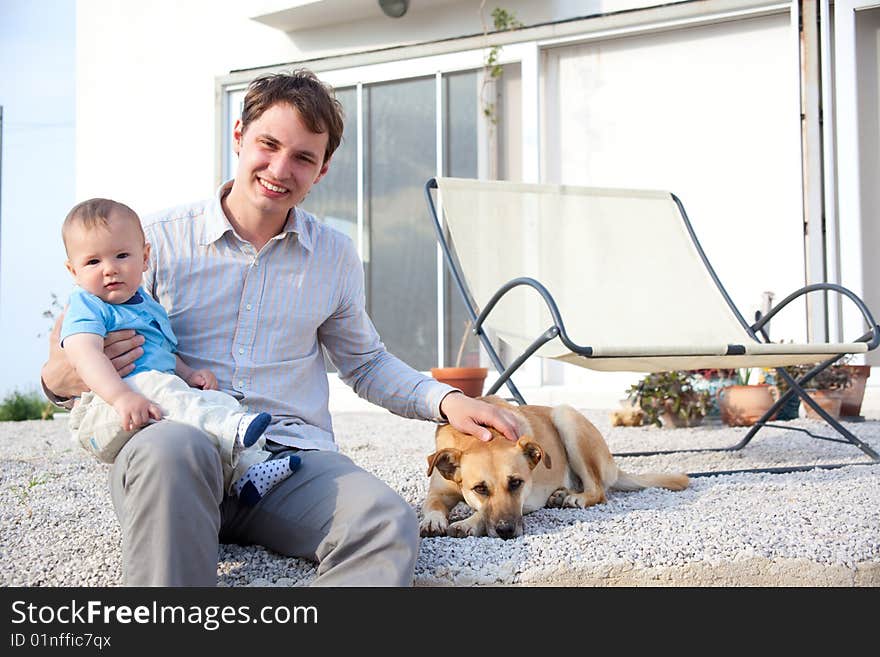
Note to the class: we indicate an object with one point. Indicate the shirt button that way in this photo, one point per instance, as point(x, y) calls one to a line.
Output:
point(256, 263)
point(241, 351)
point(249, 306)
point(241, 384)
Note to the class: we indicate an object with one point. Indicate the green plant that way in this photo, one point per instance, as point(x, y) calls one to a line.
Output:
point(502, 20)
point(669, 392)
point(833, 377)
point(18, 406)
point(743, 375)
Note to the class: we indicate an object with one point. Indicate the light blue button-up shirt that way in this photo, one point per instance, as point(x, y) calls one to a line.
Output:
point(258, 319)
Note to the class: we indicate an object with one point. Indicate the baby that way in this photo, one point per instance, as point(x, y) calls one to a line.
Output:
point(107, 255)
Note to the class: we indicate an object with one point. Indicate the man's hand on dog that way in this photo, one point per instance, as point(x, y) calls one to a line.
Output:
point(472, 416)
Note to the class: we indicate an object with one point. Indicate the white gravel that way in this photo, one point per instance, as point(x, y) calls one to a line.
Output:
point(818, 528)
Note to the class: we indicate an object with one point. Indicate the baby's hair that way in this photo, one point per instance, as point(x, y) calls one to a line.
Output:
point(96, 212)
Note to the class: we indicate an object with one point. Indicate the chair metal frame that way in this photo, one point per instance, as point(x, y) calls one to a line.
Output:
point(759, 331)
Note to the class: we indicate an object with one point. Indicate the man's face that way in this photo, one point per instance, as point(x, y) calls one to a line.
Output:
point(279, 159)
point(108, 262)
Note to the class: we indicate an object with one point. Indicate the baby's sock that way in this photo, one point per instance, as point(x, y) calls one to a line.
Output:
point(251, 427)
point(260, 478)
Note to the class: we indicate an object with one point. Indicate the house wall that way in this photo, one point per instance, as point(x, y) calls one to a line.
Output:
point(147, 102)
point(146, 74)
point(868, 77)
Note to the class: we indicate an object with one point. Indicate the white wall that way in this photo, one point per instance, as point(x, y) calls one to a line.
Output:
point(146, 104)
point(37, 95)
point(868, 77)
point(146, 73)
point(145, 94)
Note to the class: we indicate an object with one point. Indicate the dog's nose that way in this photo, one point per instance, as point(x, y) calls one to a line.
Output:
point(505, 529)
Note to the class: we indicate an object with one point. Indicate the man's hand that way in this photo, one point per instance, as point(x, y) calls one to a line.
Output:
point(135, 410)
point(203, 379)
point(121, 347)
point(472, 416)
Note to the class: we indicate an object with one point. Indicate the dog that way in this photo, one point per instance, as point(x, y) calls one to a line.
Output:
point(560, 460)
point(627, 417)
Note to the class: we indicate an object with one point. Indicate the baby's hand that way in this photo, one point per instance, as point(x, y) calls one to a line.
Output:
point(135, 410)
point(203, 379)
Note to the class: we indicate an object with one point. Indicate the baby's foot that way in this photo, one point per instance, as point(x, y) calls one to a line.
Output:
point(251, 427)
point(260, 478)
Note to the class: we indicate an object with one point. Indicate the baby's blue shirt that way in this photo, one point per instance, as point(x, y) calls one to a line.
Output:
point(89, 314)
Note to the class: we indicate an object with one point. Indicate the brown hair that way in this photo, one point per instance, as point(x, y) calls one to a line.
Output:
point(96, 212)
point(315, 101)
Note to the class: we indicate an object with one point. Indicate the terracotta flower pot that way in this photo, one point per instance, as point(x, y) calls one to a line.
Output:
point(851, 405)
point(742, 406)
point(829, 400)
point(469, 380)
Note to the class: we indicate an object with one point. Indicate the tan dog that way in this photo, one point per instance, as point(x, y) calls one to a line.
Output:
point(501, 480)
point(627, 417)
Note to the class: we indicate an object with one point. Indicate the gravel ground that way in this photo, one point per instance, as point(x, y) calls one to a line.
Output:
point(816, 528)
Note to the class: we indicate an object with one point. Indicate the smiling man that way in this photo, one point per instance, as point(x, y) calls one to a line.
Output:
point(254, 287)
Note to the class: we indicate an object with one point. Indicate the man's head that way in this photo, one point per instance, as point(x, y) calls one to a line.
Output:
point(314, 101)
point(289, 128)
point(106, 250)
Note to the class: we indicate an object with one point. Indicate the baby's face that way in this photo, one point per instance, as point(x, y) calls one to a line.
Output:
point(108, 262)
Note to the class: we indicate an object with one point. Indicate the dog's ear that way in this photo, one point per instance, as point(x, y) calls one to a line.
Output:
point(446, 461)
point(533, 452)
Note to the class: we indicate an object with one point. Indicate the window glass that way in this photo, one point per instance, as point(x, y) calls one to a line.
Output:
point(400, 145)
point(334, 199)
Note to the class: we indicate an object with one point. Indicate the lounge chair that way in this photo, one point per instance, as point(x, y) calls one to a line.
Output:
point(593, 277)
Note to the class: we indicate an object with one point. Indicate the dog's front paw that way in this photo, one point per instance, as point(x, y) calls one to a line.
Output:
point(557, 498)
point(464, 528)
point(583, 500)
point(433, 524)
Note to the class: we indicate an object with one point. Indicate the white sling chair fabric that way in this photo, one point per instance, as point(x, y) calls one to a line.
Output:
point(616, 262)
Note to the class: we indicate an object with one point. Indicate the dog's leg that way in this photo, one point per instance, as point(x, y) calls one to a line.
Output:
point(435, 512)
point(473, 525)
point(564, 497)
point(588, 457)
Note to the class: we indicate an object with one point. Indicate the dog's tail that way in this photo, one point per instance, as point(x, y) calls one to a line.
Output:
point(629, 481)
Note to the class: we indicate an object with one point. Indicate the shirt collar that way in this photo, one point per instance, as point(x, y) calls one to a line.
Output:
point(217, 224)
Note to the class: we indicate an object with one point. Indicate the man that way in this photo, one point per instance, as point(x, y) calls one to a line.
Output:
point(254, 287)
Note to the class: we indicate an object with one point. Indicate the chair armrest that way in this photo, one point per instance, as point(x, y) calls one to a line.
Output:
point(873, 334)
point(551, 306)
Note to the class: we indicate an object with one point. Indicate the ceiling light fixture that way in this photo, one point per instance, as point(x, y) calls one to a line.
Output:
point(394, 8)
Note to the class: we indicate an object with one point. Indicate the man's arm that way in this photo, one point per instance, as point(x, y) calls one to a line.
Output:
point(363, 362)
point(60, 379)
point(86, 353)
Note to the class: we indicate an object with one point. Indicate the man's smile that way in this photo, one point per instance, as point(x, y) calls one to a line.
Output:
point(277, 189)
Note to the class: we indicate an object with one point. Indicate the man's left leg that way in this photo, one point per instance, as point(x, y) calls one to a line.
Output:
point(359, 530)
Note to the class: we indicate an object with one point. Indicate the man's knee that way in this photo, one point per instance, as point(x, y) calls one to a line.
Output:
point(397, 517)
point(170, 450)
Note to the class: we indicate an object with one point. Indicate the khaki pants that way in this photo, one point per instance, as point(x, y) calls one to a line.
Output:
point(95, 424)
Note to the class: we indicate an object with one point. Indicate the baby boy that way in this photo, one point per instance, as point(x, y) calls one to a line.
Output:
point(107, 255)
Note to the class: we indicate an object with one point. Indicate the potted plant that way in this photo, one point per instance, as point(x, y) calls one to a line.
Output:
point(744, 403)
point(791, 407)
point(469, 380)
point(669, 399)
point(712, 380)
point(827, 389)
point(854, 393)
